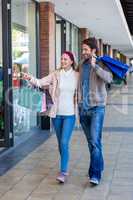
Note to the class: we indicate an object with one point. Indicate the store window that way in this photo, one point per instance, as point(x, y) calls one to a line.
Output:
point(75, 41)
point(0, 35)
point(58, 41)
point(68, 36)
point(105, 49)
point(1, 80)
point(23, 59)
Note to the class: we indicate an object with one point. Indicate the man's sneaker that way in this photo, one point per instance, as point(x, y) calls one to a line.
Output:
point(94, 181)
point(62, 177)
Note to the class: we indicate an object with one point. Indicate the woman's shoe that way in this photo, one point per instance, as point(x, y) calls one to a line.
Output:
point(62, 177)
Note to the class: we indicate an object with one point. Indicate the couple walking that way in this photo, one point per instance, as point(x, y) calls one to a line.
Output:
point(83, 89)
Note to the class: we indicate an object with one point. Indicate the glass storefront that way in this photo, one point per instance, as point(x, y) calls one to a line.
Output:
point(105, 49)
point(67, 38)
point(75, 42)
point(1, 80)
point(58, 41)
point(23, 60)
point(0, 35)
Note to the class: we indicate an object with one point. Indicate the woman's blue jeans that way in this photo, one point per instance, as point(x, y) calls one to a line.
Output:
point(92, 124)
point(63, 126)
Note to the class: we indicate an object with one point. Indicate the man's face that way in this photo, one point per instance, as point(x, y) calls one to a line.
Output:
point(87, 52)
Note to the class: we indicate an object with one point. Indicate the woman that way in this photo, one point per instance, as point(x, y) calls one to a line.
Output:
point(62, 87)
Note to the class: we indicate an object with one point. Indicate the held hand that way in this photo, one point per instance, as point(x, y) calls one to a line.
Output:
point(93, 62)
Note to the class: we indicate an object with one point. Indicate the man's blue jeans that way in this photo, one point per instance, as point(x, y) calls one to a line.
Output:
point(92, 124)
point(63, 126)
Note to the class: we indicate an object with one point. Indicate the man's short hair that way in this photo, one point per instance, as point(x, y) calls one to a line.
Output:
point(92, 43)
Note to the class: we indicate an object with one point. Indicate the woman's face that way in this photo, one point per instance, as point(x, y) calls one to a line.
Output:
point(66, 62)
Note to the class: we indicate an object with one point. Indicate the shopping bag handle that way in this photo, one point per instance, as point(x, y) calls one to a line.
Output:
point(30, 84)
point(23, 73)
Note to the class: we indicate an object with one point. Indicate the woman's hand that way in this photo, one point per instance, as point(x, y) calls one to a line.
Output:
point(26, 76)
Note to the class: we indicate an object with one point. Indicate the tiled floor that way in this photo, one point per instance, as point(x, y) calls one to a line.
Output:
point(9, 158)
point(33, 178)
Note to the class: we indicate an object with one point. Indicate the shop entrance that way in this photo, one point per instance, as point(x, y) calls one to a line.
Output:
point(17, 54)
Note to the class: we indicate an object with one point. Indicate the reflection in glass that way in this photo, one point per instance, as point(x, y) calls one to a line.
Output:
point(75, 40)
point(68, 36)
point(1, 81)
point(58, 41)
point(24, 59)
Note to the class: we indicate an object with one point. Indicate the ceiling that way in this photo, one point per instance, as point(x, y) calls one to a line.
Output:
point(128, 11)
point(104, 18)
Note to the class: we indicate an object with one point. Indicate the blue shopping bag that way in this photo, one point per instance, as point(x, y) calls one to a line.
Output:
point(32, 98)
point(118, 68)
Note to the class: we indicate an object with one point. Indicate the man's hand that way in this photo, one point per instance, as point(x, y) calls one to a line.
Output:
point(93, 62)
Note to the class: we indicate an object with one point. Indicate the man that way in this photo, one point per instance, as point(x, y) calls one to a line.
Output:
point(92, 100)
